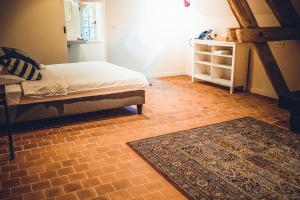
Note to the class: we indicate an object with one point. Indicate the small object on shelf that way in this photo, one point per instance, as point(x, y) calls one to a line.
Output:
point(206, 35)
point(221, 62)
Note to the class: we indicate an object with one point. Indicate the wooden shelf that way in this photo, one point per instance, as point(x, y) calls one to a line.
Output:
point(222, 66)
point(203, 62)
point(221, 81)
point(204, 77)
point(226, 70)
point(203, 52)
point(225, 56)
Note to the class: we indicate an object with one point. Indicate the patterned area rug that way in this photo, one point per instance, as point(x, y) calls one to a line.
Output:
point(240, 159)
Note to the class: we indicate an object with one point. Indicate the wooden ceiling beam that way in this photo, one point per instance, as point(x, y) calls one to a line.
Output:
point(271, 67)
point(246, 19)
point(231, 34)
point(284, 12)
point(266, 34)
point(243, 13)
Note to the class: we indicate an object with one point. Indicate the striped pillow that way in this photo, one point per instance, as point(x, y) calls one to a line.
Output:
point(22, 69)
point(17, 53)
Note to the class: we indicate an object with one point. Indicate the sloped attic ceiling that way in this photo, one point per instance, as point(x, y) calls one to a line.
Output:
point(260, 7)
point(220, 8)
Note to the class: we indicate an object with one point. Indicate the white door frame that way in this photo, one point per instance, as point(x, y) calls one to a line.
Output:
point(104, 31)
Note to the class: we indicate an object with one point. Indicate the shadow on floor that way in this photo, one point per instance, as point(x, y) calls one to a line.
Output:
point(70, 120)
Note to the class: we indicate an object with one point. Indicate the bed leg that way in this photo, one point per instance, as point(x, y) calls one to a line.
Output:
point(11, 147)
point(140, 109)
point(10, 139)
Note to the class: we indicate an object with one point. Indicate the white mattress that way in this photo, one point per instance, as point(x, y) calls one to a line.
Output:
point(79, 78)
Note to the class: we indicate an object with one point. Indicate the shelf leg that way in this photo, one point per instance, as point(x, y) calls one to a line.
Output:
point(245, 88)
point(140, 109)
point(231, 90)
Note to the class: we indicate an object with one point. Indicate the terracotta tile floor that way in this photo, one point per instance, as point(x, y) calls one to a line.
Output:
point(89, 159)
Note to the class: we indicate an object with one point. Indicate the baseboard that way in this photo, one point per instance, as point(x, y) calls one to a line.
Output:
point(168, 74)
point(263, 92)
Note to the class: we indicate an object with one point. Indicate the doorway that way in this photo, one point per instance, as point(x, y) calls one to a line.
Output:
point(85, 29)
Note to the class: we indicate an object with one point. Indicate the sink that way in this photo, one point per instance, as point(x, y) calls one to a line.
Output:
point(70, 42)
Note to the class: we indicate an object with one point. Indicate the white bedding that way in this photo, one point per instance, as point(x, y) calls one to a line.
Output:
point(94, 75)
point(50, 85)
point(63, 79)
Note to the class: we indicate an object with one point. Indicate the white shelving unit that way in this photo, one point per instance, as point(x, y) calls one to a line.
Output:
point(227, 70)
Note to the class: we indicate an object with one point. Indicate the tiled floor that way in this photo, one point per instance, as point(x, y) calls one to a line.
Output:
point(90, 159)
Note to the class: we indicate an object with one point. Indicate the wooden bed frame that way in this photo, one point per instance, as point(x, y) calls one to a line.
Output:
point(16, 114)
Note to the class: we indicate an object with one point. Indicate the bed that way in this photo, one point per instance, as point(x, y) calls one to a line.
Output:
point(75, 88)
point(70, 89)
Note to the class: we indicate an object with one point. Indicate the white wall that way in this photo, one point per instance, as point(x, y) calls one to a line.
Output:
point(151, 36)
point(147, 35)
point(92, 51)
point(36, 27)
point(73, 25)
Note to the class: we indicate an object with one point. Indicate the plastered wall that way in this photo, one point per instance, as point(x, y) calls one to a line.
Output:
point(35, 26)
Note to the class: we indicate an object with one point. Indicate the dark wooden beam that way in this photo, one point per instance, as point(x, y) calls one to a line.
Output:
point(259, 35)
point(284, 12)
point(243, 13)
point(271, 68)
point(246, 19)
